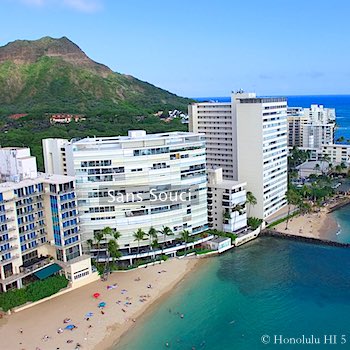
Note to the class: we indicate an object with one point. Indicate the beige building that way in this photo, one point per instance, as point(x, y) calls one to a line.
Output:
point(337, 153)
point(226, 203)
point(248, 139)
point(296, 120)
point(39, 227)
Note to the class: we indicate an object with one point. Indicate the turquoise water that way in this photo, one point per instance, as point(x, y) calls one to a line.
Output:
point(267, 287)
point(342, 217)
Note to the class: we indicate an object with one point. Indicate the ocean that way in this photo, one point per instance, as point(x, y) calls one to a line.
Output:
point(269, 290)
point(341, 103)
point(263, 293)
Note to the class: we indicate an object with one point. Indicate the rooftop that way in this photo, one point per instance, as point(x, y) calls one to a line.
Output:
point(262, 99)
point(42, 178)
point(137, 135)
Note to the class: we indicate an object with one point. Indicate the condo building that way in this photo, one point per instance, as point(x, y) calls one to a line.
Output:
point(335, 154)
point(136, 181)
point(39, 227)
point(296, 120)
point(310, 127)
point(251, 139)
point(226, 203)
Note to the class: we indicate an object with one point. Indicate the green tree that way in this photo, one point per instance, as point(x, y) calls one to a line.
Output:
point(293, 198)
point(98, 236)
point(185, 236)
point(165, 231)
point(139, 235)
point(113, 250)
point(237, 209)
point(152, 236)
point(251, 200)
point(89, 243)
point(317, 168)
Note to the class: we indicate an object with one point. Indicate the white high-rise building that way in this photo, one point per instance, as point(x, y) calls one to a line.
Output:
point(310, 127)
point(137, 181)
point(39, 227)
point(226, 203)
point(249, 137)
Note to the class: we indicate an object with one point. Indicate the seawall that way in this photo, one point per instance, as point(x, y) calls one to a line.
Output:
point(277, 234)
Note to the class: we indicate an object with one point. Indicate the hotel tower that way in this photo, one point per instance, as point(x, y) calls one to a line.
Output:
point(247, 138)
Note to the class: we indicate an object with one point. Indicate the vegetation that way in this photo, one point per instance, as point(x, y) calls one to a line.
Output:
point(275, 223)
point(33, 292)
point(113, 103)
point(293, 198)
point(198, 251)
point(254, 223)
point(216, 232)
point(110, 238)
point(139, 235)
point(251, 201)
point(297, 157)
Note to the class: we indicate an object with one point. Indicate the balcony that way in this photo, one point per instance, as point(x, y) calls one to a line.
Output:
point(34, 264)
point(4, 262)
point(11, 248)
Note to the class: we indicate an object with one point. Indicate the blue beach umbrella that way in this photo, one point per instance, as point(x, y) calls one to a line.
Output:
point(89, 314)
point(70, 327)
point(102, 304)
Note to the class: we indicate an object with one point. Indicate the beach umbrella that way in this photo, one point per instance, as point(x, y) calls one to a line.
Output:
point(89, 314)
point(96, 295)
point(70, 327)
point(102, 304)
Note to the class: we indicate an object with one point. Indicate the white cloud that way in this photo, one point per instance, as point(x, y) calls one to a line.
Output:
point(79, 5)
point(83, 5)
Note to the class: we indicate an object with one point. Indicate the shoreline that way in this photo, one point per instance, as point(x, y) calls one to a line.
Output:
point(320, 225)
point(112, 340)
point(132, 295)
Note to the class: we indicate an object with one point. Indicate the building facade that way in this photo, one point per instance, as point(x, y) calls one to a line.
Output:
point(310, 127)
point(139, 181)
point(336, 154)
point(215, 119)
point(39, 222)
point(296, 120)
point(226, 203)
point(254, 145)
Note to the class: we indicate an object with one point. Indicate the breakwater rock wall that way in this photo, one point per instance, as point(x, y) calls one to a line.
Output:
point(277, 234)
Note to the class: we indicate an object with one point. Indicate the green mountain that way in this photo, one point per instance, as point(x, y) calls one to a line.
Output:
point(55, 75)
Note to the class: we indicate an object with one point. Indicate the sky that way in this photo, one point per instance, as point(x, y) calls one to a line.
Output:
point(201, 48)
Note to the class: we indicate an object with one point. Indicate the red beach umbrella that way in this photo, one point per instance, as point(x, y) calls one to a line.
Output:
point(96, 295)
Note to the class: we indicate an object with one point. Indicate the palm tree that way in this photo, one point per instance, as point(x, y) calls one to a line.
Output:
point(338, 169)
point(251, 200)
point(330, 168)
point(113, 250)
point(107, 231)
point(165, 231)
point(185, 236)
point(317, 167)
point(343, 166)
point(89, 243)
point(293, 198)
point(340, 139)
point(98, 236)
point(139, 235)
point(152, 235)
point(238, 208)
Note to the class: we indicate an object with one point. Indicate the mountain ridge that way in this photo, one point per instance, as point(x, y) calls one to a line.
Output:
point(55, 75)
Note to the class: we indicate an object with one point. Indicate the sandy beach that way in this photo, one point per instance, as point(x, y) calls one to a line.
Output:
point(315, 225)
point(128, 296)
